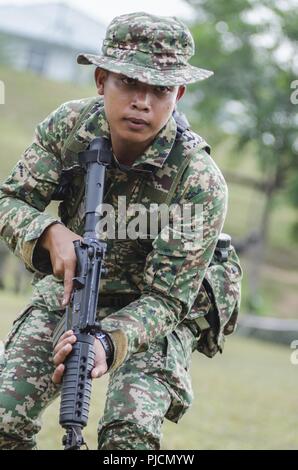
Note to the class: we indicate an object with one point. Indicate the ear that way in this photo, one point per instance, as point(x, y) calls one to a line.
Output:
point(181, 92)
point(100, 76)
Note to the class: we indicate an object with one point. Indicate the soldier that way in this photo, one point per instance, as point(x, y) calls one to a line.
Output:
point(148, 293)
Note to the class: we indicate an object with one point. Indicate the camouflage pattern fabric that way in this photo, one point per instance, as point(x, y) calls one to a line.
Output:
point(26, 387)
point(148, 48)
point(145, 389)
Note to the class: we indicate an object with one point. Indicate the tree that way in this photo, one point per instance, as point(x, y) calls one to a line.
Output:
point(252, 47)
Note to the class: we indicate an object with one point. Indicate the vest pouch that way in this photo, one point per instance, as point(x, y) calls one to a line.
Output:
point(215, 310)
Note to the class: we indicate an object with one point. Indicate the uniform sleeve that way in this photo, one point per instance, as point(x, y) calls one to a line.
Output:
point(176, 266)
point(25, 194)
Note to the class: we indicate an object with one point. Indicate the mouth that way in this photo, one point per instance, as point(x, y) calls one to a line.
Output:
point(136, 123)
point(136, 120)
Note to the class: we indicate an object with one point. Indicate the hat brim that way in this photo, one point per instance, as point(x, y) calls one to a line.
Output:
point(168, 77)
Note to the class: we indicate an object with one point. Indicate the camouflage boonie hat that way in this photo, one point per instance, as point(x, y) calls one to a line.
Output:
point(148, 48)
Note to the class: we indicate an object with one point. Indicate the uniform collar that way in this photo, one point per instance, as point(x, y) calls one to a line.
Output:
point(160, 148)
point(155, 156)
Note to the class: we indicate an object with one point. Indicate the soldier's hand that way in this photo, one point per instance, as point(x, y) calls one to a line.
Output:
point(64, 347)
point(58, 240)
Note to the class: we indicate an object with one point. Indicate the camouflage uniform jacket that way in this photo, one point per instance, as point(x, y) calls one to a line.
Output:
point(167, 276)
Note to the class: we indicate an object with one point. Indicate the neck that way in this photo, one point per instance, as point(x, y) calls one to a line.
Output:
point(127, 152)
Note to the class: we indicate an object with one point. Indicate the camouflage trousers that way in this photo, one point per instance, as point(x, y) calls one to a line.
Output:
point(145, 389)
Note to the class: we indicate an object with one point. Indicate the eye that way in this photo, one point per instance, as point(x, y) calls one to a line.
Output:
point(128, 80)
point(163, 89)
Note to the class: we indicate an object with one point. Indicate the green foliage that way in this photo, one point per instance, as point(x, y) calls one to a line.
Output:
point(252, 47)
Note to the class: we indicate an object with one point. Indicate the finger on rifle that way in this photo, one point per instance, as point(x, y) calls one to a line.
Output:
point(57, 375)
point(68, 284)
point(61, 355)
point(66, 334)
point(70, 339)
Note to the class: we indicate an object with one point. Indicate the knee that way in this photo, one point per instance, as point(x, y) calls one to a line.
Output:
point(123, 435)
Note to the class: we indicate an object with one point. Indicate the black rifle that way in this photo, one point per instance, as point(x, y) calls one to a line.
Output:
point(81, 313)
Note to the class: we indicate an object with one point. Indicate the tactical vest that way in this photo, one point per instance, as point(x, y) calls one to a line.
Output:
point(215, 310)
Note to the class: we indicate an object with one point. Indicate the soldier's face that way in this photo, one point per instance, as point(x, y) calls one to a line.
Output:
point(136, 112)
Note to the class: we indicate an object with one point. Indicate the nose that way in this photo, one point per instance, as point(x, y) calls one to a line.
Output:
point(141, 100)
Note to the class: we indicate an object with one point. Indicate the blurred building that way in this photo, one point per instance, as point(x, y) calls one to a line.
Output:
point(47, 37)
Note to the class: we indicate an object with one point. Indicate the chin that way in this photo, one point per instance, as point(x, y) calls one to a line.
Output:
point(137, 137)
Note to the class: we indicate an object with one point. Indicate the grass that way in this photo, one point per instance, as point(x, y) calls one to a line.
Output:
point(28, 100)
point(244, 399)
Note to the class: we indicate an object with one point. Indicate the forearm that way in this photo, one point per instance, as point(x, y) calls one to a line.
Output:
point(21, 226)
